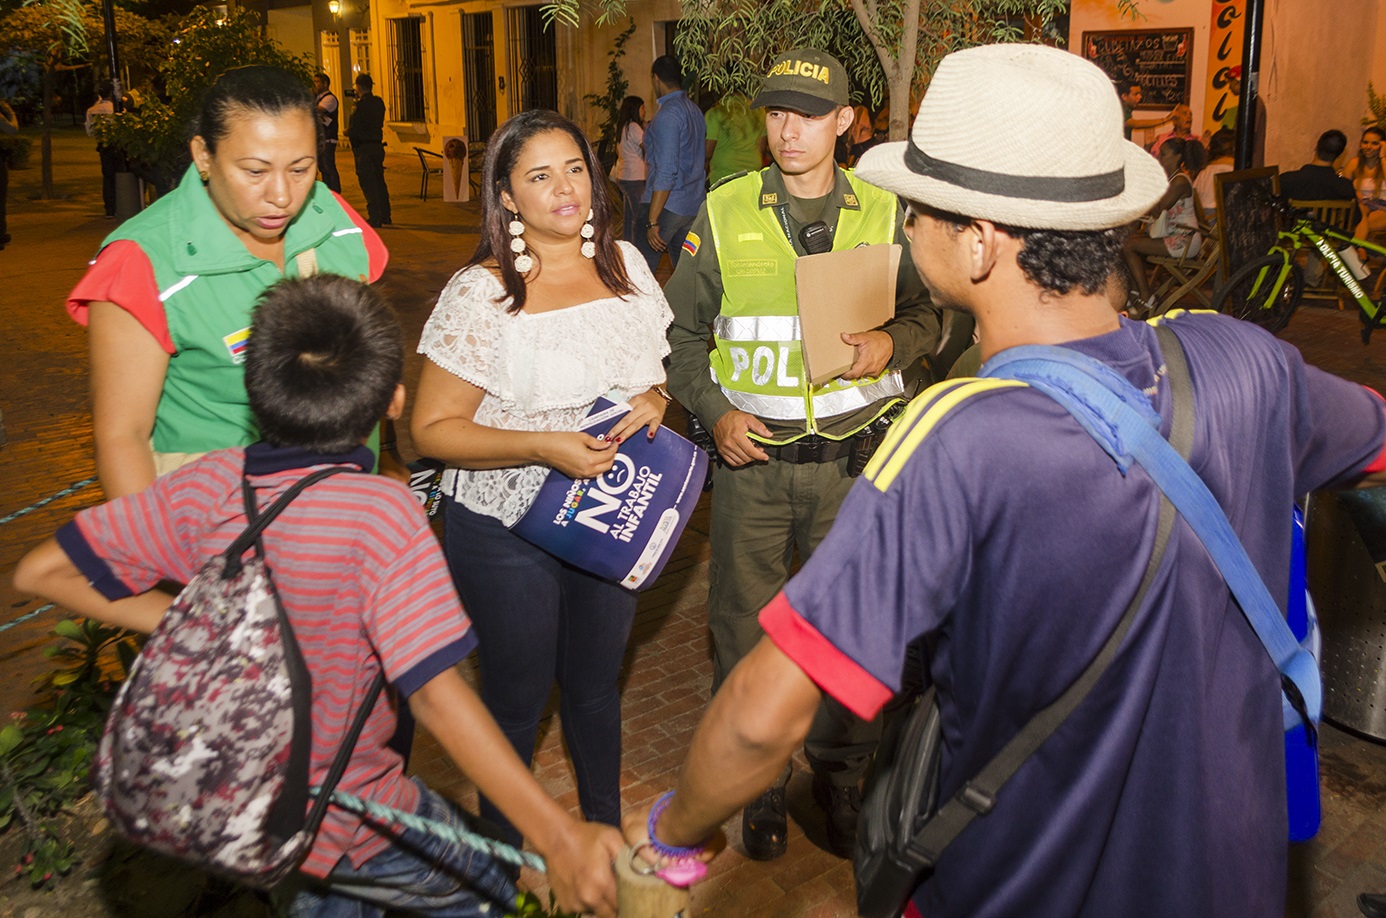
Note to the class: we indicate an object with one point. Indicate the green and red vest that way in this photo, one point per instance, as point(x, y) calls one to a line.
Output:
point(208, 284)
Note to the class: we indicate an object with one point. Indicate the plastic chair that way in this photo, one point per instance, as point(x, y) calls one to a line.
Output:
point(427, 169)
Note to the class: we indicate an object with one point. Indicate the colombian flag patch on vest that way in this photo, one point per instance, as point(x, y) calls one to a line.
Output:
point(691, 243)
point(235, 344)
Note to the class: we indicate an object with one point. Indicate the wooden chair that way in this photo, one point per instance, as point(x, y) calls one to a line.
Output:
point(1174, 279)
point(1342, 216)
point(428, 169)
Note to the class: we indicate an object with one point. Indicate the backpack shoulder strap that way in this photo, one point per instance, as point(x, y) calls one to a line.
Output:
point(1102, 401)
point(250, 536)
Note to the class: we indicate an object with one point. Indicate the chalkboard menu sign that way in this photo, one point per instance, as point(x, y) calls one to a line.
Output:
point(1161, 60)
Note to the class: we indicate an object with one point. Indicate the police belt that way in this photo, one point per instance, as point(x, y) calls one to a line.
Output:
point(812, 448)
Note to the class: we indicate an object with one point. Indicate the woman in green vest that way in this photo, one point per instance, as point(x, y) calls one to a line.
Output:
point(168, 298)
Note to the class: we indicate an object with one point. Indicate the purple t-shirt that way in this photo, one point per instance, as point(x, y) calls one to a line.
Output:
point(999, 532)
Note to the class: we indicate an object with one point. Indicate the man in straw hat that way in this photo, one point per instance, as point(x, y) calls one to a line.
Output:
point(996, 535)
point(786, 445)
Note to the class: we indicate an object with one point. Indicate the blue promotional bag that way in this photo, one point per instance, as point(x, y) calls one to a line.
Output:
point(623, 525)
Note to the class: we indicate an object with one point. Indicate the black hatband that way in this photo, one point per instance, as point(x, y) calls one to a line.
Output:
point(1028, 187)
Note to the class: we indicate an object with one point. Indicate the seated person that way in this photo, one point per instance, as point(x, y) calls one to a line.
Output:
point(1174, 230)
point(1220, 147)
point(1182, 128)
point(1369, 178)
point(323, 364)
point(1318, 181)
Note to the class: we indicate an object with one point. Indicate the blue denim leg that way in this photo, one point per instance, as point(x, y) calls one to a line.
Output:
point(538, 620)
point(420, 873)
point(634, 213)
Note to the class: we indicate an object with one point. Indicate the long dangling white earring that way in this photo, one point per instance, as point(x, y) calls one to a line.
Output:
point(523, 260)
point(589, 248)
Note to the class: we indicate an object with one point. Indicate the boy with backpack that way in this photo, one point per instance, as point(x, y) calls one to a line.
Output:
point(365, 589)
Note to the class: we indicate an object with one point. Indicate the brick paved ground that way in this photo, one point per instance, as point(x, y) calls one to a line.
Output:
point(43, 398)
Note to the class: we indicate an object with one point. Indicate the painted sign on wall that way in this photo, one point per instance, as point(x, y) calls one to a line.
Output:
point(1224, 53)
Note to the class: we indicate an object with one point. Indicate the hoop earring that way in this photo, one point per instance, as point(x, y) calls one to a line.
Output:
point(589, 248)
point(523, 260)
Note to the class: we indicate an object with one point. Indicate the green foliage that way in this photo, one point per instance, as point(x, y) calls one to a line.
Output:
point(608, 104)
point(46, 752)
point(1377, 104)
point(202, 49)
point(529, 906)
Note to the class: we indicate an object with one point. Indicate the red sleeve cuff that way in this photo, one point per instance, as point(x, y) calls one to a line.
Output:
point(377, 255)
point(830, 669)
point(122, 274)
point(1379, 463)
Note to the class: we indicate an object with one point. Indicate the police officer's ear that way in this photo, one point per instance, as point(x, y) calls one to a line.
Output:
point(846, 117)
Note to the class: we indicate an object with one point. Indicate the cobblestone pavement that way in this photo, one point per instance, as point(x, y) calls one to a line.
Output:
point(43, 397)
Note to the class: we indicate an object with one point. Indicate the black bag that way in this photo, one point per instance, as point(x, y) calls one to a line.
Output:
point(901, 796)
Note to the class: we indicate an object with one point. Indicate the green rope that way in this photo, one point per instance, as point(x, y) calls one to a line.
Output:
point(392, 816)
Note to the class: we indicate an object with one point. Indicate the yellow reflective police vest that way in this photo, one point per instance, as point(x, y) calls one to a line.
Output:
point(758, 361)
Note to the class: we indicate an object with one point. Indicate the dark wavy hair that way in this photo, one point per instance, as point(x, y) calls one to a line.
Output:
point(258, 88)
point(628, 113)
point(502, 152)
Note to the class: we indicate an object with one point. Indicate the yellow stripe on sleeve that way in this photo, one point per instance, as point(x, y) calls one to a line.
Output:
point(919, 418)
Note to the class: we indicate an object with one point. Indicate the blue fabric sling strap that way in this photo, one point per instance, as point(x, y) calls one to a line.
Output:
point(1125, 424)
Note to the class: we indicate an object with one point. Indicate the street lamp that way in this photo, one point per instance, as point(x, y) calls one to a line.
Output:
point(335, 8)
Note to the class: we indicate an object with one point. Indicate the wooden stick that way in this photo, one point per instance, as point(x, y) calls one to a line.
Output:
point(641, 895)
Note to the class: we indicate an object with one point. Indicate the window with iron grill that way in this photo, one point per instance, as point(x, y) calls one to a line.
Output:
point(406, 73)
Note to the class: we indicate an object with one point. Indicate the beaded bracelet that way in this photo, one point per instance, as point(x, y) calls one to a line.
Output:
point(669, 851)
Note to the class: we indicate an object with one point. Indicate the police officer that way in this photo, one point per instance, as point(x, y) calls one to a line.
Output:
point(786, 446)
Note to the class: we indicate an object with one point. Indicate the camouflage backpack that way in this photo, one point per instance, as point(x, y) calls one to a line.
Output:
point(206, 750)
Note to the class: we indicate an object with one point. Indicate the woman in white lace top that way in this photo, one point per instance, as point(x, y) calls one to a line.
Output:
point(548, 315)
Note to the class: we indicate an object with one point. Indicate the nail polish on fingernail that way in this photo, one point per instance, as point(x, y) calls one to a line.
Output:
point(618, 439)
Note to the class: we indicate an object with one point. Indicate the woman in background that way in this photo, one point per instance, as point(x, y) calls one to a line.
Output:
point(629, 171)
point(1367, 175)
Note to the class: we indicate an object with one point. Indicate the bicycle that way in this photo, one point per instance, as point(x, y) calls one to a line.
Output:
point(1267, 291)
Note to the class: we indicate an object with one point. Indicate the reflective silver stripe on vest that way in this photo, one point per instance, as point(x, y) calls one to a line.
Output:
point(825, 405)
point(840, 401)
point(756, 328)
point(176, 287)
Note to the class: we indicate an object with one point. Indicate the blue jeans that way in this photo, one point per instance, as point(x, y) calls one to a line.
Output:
point(419, 874)
point(538, 620)
point(672, 229)
point(633, 212)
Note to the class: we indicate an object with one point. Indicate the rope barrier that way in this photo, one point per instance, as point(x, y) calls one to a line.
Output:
point(70, 489)
point(442, 830)
point(25, 617)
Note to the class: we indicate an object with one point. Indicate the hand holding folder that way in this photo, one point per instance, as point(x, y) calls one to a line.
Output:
point(842, 293)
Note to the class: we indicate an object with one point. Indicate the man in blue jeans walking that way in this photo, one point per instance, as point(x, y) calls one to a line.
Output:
point(674, 176)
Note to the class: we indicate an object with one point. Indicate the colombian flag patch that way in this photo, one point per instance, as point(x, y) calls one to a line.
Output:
point(691, 243)
point(235, 344)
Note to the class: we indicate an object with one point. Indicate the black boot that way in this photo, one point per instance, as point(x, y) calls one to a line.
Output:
point(764, 826)
point(842, 806)
point(1373, 905)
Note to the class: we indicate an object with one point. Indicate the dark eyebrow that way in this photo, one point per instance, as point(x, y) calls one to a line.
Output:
point(575, 159)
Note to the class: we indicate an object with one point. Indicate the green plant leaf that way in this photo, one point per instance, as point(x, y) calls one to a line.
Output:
point(69, 629)
point(10, 737)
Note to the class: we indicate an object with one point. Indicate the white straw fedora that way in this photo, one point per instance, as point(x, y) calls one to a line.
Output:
point(1024, 136)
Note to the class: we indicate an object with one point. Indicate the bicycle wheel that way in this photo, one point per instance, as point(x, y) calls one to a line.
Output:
point(1250, 293)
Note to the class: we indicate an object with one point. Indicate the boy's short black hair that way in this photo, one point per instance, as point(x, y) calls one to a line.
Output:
point(323, 360)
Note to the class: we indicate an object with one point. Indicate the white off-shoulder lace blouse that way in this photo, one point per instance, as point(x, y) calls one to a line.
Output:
point(542, 371)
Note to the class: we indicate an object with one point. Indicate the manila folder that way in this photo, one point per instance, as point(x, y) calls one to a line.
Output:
point(848, 291)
